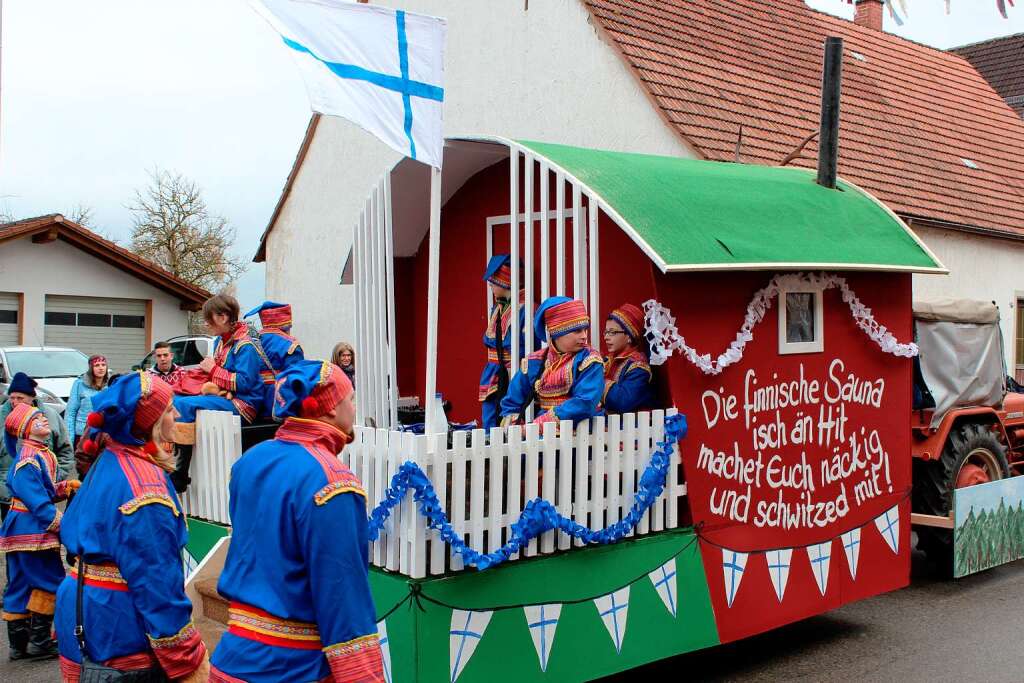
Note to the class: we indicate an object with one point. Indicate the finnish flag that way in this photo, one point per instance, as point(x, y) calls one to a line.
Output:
point(380, 68)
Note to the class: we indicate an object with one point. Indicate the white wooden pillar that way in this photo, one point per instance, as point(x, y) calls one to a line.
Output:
point(545, 250)
point(528, 160)
point(513, 170)
point(433, 272)
point(596, 324)
point(560, 234)
point(389, 263)
point(358, 277)
point(578, 272)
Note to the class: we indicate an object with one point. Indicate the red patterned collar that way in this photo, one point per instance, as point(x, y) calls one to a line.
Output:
point(614, 366)
point(313, 433)
point(126, 450)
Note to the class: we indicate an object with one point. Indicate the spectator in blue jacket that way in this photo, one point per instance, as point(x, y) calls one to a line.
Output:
point(95, 380)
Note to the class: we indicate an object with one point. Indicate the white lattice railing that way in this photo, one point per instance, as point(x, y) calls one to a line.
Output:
point(484, 479)
point(218, 446)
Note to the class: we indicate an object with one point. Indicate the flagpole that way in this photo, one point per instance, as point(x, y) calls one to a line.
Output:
point(432, 296)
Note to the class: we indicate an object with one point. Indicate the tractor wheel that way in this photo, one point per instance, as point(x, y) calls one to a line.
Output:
point(972, 455)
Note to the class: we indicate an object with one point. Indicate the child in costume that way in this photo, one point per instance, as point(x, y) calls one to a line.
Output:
point(627, 372)
point(126, 528)
point(296, 570)
point(29, 535)
point(281, 349)
point(236, 383)
point(566, 379)
point(498, 338)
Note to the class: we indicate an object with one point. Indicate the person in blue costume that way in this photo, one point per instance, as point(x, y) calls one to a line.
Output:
point(281, 349)
point(566, 379)
point(29, 535)
point(126, 529)
point(296, 570)
point(498, 338)
point(236, 384)
point(627, 372)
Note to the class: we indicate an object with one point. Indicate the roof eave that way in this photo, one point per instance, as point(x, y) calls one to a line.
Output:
point(300, 157)
point(862, 267)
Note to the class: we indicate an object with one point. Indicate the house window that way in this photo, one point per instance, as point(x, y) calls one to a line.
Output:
point(800, 321)
point(1019, 343)
point(9, 317)
point(58, 318)
point(135, 321)
point(94, 320)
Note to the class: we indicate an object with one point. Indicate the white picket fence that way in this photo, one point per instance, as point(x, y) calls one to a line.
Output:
point(218, 446)
point(483, 481)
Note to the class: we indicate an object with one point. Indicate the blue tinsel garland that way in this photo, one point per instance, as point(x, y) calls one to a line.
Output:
point(538, 516)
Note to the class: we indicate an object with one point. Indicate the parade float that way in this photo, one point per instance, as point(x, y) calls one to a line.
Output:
point(779, 317)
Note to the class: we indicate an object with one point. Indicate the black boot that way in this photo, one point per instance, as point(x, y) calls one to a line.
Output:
point(17, 637)
point(40, 643)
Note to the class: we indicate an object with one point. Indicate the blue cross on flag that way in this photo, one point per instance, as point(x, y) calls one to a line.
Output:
point(380, 68)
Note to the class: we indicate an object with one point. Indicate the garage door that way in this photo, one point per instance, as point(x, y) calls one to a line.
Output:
point(8, 319)
point(115, 328)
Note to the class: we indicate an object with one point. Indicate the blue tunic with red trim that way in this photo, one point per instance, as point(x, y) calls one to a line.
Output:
point(566, 386)
point(627, 383)
point(29, 533)
point(283, 351)
point(237, 372)
point(296, 569)
point(126, 522)
point(498, 344)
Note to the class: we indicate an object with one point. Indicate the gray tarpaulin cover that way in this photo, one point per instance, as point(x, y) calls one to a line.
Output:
point(962, 363)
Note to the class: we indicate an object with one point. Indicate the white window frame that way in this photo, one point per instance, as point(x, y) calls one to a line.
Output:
point(816, 346)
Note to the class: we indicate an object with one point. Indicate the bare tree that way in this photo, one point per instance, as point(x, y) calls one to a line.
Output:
point(81, 214)
point(173, 227)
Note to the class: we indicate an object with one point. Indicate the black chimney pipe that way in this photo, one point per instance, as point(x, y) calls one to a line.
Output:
point(828, 138)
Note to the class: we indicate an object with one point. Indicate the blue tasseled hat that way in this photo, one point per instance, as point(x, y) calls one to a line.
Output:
point(135, 399)
point(310, 389)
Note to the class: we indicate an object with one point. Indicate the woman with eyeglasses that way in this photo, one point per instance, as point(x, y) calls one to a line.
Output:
point(627, 372)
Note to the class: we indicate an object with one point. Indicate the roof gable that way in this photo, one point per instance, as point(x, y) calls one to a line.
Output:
point(911, 114)
point(54, 226)
point(1001, 62)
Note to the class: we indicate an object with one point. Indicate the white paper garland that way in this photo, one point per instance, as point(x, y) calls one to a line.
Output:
point(664, 337)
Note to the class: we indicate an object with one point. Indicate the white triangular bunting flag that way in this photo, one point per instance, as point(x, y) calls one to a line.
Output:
point(820, 556)
point(733, 564)
point(385, 649)
point(888, 524)
point(664, 580)
point(778, 569)
point(851, 547)
point(613, 609)
point(542, 620)
point(465, 634)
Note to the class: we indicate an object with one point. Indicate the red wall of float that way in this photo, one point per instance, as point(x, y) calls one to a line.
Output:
point(783, 452)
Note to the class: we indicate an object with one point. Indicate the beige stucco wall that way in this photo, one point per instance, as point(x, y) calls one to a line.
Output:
point(540, 74)
point(980, 268)
point(58, 268)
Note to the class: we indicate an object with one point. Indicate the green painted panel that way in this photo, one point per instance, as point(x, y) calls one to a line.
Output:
point(582, 648)
point(202, 536)
point(707, 213)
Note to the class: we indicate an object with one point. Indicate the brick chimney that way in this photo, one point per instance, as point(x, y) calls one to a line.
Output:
point(869, 14)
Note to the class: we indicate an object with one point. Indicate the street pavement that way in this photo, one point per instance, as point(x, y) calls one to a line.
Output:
point(934, 631)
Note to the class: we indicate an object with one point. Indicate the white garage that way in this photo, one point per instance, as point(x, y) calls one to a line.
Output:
point(10, 310)
point(115, 328)
point(63, 285)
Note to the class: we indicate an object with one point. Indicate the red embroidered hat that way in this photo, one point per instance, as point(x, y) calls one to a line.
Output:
point(310, 389)
point(273, 314)
point(631, 318)
point(19, 420)
point(130, 406)
point(564, 317)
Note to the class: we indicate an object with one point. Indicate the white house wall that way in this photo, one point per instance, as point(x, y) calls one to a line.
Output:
point(58, 268)
point(981, 268)
point(542, 74)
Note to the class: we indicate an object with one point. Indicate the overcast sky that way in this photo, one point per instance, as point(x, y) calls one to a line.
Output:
point(94, 93)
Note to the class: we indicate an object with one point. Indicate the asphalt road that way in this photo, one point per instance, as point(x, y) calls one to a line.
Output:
point(934, 631)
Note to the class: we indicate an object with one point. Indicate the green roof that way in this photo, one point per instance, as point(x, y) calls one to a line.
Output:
point(708, 215)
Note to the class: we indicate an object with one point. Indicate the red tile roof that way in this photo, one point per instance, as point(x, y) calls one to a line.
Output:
point(55, 226)
point(1001, 62)
point(910, 115)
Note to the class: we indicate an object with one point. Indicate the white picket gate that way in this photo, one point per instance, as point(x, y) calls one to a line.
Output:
point(484, 480)
point(218, 446)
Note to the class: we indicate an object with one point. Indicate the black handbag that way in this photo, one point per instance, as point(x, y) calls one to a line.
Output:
point(94, 672)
